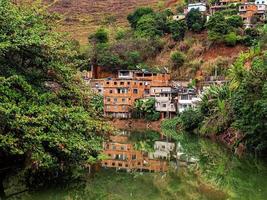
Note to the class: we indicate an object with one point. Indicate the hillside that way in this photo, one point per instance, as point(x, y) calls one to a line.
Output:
point(81, 17)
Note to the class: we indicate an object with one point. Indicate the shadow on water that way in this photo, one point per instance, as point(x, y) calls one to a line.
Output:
point(185, 167)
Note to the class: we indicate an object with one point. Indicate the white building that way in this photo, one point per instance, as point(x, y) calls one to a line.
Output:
point(187, 98)
point(202, 7)
point(165, 103)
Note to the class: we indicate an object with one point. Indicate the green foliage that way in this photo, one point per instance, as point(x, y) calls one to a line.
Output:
point(147, 27)
point(97, 103)
point(100, 36)
point(230, 39)
point(145, 108)
point(190, 119)
point(46, 119)
point(235, 21)
point(251, 36)
point(134, 17)
point(177, 29)
point(217, 27)
point(178, 59)
point(195, 20)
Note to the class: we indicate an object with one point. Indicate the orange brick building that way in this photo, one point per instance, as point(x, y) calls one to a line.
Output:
point(121, 93)
point(122, 155)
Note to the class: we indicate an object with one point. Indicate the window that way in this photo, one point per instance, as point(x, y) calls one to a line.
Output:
point(184, 97)
point(123, 100)
point(121, 83)
point(135, 91)
point(123, 107)
point(115, 99)
point(115, 83)
point(146, 91)
point(122, 148)
point(108, 99)
point(110, 91)
point(140, 84)
point(113, 164)
point(128, 83)
point(133, 157)
point(107, 83)
point(164, 105)
point(120, 164)
point(113, 147)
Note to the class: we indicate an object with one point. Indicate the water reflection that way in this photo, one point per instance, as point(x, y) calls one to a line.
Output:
point(143, 151)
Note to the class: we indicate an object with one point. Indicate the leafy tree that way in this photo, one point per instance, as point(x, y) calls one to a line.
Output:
point(147, 26)
point(134, 17)
point(195, 20)
point(145, 108)
point(190, 119)
point(217, 27)
point(235, 21)
point(177, 29)
point(46, 119)
point(100, 36)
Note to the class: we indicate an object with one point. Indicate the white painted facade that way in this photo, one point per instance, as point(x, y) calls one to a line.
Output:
point(202, 7)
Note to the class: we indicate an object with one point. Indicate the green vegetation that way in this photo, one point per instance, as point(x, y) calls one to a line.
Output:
point(145, 109)
point(195, 20)
point(47, 123)
point(238, 106)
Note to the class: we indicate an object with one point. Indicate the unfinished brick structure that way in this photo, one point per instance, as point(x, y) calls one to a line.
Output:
point(120, 93)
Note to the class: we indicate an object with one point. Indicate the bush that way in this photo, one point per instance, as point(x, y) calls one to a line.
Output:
point(177, 29)
point(101, 36)
point(230, 39)
point(136, 16)
point(178, 59)
point(195, 20)
point(235, 21)
point(190, 119)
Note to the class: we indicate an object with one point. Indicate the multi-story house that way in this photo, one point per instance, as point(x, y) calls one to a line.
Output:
point(223, 5)
point(166, 103)
point(122, 155)
point(187, 98)
point(253, 12)
point(121, 93)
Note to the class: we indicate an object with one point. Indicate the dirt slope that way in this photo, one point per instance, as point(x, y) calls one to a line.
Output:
point(81, 17)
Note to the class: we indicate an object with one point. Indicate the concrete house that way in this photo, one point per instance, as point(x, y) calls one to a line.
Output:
point(187, 98)
point(224, 4)
point(166, 104)
point(201, 6)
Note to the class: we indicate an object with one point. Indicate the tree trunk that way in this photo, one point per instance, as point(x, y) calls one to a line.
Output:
point(2, 189)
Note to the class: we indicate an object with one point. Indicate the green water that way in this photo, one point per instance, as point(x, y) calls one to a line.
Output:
point(218, 174)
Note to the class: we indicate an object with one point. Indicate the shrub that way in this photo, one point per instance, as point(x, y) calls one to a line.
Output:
point(195, 20)
point(230, 39)
point(177, 29)
point(178, 59)
point(134, 17)
point(190, 119)
point(101, 36)
point(235, 21)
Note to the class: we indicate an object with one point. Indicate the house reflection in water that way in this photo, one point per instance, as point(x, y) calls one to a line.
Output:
point(123, 155)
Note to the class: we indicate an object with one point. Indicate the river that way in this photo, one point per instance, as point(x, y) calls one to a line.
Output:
point(147, 165)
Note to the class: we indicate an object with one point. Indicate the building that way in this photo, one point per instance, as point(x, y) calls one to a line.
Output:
point(166, 103)
point(201, 6)
point(121, 93)
point(187, 98)
point(122, 155)
point(252, 13)
point(224, 4)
